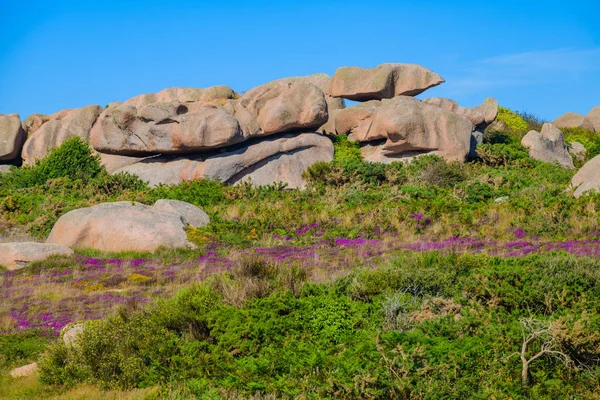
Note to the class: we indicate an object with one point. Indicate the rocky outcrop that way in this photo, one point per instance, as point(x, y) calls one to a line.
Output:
point(587, 178)
point(182, 95)
point(594, 117)
point(141, 127)
point(19, 255)
point(407, 127)
point(573, 120)
point(548, 145)
point(124, 226)
point(273, 159)
point(61, 126)
point(190, 214)
point(12, 137)
point(382, 82)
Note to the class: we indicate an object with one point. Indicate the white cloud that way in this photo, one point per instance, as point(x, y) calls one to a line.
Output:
point(527, 68)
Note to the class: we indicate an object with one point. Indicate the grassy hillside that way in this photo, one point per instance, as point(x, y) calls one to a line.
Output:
point(424, 280)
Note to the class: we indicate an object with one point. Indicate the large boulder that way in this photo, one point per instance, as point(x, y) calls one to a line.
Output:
point(19, 255)
point(382, 82)
point(548, 145)
point(164, 127)
point(587, 178)
point(62, 125)
point(123, 226)
point(577, 151)
point(594, 116)
point(407, 127)
point(266, 161)
point(286, 105)
point(573, 120)
point(12, 137)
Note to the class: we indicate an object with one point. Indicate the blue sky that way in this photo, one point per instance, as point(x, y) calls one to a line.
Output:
point(537, 56)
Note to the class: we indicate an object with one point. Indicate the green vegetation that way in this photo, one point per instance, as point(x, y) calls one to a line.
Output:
point(424, 326)
point(330, 320)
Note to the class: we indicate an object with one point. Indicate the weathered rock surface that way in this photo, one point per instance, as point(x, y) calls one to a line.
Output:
point(19, 255)
point(408, 127)
point(4, 168)
point(587, 178)
point(164, 127)
point(12, 137)
point(286, 105)
point(270, 160)
point(34, 122)
point(382, 82)
point(594, 117)
point(62, 125)
point(26, 370)
point(577, 151)
point(548, 145)
point(476, 117)
point(573, 120)
point(121, 226)
point(183, 95)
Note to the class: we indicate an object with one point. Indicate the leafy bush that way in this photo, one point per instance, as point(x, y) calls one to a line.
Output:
point(496, 155)
point(511, 121)
point(589, 139)
point(345, 150)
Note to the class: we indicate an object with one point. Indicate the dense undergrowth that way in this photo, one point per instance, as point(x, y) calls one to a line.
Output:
point(426, 326)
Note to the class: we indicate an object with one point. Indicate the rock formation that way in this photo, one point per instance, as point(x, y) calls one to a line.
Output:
point(127, 226)
point(12, 137)
point(19, 255)
point(382, 82)
point(548, 145)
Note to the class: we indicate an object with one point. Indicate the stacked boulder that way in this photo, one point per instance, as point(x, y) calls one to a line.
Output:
point(391, 125)
point(549, 146)
point(270, 134)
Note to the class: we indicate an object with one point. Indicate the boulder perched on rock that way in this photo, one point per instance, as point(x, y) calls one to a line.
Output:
point(164, 127)
point(594, 117)
point(34, 122)
point(19, 255)
point(26, 370)
point(573, 120)
point(382, 82)
point(286, 105)
point(123, 226)
point(407, 128)
point(587, 178)
point(61, 126)
point(12, 137)
point(475, 116)
point(548, 145)
point(270, 160)
point(489, 109)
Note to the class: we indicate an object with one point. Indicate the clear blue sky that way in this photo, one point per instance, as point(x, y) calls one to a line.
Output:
point(537, 56)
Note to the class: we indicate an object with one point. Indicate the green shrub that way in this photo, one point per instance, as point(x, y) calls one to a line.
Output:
point(512, 121)
point(589, 139)
point(496, 155)
point(345, 150)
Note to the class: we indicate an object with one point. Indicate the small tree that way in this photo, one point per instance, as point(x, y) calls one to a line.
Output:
point(540, 332)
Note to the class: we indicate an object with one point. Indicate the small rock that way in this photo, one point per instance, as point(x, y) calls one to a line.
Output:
point(26, 370)
point(19, 255)
point(548, 146)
